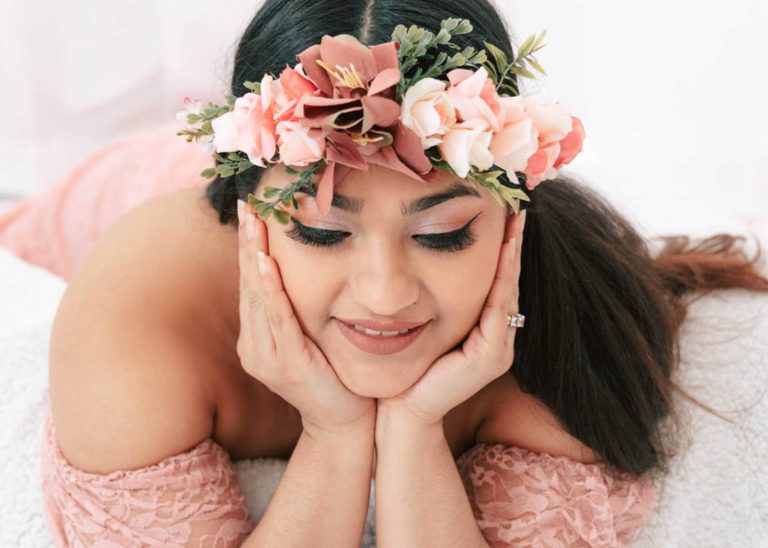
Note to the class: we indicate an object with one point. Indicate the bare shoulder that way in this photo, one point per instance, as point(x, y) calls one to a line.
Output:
point(512, 417)
point(127, 375)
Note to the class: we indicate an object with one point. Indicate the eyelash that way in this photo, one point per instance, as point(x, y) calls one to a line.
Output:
point(444, 242)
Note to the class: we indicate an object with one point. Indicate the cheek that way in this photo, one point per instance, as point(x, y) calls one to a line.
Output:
point(308, 282)
point(461, 290)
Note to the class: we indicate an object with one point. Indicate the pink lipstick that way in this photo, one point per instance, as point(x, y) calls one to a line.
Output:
point(380, 344)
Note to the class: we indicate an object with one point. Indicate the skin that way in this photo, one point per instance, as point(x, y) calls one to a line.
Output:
point(380, 272)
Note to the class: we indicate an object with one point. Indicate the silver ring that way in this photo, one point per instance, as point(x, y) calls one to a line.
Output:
point(518, 320)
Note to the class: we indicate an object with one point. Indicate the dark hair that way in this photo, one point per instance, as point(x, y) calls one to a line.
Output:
point(603, 312)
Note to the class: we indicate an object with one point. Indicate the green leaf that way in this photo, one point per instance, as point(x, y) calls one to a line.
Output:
point(523, 72)
point(499, 56)
point(208, 173)
point(535, 64)
point(282, 216)
point(253, 86)
point(537, 45)
point(525, 48)
point(270, 191)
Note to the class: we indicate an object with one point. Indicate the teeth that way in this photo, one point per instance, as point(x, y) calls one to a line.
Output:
point(380, 333)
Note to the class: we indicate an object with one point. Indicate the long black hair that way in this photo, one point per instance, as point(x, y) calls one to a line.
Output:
point(603, 312)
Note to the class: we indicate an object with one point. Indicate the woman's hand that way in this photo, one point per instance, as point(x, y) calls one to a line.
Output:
point(485, 355)
point(273, 348)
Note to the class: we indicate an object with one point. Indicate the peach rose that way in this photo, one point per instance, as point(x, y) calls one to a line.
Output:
point(517, 140)
point(552, 120)
point(553, 123)
point(571, 145)
point(428, 111)
point(250, 127)
point(467, 144)
point(540, 166)
point(299, 146)
point(474, 96)
point(293, 84)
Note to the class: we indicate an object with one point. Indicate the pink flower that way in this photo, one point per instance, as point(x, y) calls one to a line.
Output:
point(299, 146)
point(293, 85)
point(250, 127)
point(571, 145)
point(540, 166)
point(474, 96)
point(356, 105)
point(553, 123)
point(517, 140)
point(428, 111)
point(357, 90)
point(552, 120)
point(467, 144)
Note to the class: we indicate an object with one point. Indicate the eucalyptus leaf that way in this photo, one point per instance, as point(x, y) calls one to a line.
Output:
point(535, 64)
point(523, 72)
point(525, 47)
point(499, 56)
point(208, 173)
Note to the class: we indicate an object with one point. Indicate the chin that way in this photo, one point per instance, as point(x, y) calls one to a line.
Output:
point(379, 380)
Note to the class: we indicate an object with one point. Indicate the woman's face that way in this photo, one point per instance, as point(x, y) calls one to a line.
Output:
point(386, 261)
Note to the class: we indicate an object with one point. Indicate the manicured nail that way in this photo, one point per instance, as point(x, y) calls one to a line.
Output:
point(240, 211)
point(250, 226)
point(262, 260)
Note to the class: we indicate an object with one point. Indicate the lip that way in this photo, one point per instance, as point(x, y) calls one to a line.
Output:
point(381, 326)
point(380, 345)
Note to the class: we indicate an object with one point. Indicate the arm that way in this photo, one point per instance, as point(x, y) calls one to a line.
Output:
point(322, 499)
point(420, 498)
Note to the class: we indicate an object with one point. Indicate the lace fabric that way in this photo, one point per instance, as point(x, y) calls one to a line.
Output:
point(522, 498)
point(194, 498)
point(189, 499)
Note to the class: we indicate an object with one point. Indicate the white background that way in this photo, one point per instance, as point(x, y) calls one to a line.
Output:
point(673, 95)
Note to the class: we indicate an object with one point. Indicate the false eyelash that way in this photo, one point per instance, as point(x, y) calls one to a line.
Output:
point(444, 242)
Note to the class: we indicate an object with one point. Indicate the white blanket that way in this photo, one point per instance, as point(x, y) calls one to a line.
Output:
point(715, 495)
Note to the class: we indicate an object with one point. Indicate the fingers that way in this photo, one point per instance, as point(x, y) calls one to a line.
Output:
point(515, 293)
point(253, 321)
point(503, 297)
point(269, 313)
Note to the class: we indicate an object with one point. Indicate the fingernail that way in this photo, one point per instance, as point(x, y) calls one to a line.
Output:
point(240, 211)
point(262, 260)
point(250, 226)
point(511, 254)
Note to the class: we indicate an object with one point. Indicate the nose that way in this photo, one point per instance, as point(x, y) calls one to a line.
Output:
point(382, 279)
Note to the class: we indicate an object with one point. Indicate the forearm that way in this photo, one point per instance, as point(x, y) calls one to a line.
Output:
point(420, 498)
point(323, 496)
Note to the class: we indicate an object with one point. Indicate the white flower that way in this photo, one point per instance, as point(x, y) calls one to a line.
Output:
point(190, 107)
point(467, 144)
point(428, 111)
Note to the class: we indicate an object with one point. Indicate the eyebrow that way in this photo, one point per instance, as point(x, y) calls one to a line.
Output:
point(354, 205)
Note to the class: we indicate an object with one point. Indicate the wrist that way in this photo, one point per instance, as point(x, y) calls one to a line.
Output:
point(361, 428)
point(393, 421)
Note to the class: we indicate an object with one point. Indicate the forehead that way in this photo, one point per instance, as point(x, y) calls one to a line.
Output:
point(381, 185)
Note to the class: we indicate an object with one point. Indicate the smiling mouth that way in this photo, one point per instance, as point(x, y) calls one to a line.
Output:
point(376, 333)
point(384, 343)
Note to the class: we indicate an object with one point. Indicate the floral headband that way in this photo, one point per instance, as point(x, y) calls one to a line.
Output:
point(346, 105)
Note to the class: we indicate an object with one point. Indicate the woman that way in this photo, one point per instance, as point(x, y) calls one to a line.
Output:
point(476, 432)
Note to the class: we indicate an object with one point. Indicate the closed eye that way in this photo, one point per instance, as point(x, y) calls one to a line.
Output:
point(440, 242)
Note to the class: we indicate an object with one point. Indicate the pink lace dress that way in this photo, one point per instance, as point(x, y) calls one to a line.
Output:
point(519, 498)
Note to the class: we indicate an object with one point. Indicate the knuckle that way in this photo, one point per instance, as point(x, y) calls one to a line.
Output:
point(256, 301)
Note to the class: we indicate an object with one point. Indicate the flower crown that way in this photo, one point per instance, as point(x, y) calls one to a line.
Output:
point(346, 105)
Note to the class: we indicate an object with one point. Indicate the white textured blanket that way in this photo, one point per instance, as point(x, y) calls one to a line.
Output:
point(715, 495)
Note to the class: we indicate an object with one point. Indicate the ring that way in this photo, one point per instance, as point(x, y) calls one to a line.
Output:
point(518, 320)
